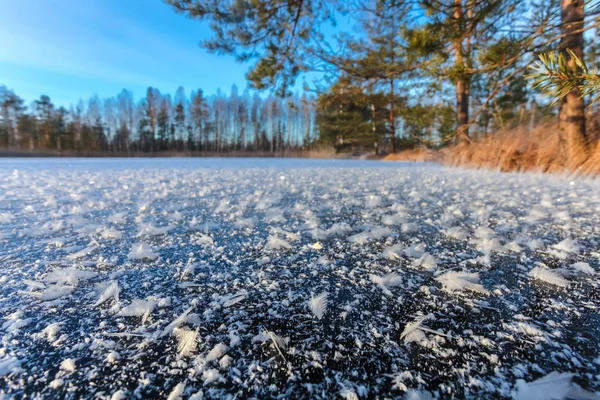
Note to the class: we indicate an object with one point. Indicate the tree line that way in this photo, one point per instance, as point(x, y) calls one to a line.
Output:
point(432, 71)
point(159, 122)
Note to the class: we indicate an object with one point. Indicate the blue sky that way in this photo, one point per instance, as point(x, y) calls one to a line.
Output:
point(71, 49)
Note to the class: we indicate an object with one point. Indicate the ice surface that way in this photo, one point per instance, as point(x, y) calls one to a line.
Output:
point(212, 279)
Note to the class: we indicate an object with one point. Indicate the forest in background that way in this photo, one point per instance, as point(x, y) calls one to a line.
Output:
point(159, 123)
point(398, 74)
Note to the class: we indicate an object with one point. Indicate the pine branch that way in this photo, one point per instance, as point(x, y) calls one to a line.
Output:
point(556, 77)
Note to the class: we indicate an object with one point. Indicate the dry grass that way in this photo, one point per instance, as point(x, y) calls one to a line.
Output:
point(418, 154)
point(522, 150)
point(516, 150)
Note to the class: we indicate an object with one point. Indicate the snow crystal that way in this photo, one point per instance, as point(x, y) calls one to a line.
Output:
point(548, 276)
point(318, 305)
point(69, 276)
point(139, 308)
point(55, 384)
point(217, 352)
point(393, 252)
point(68, 365)
point(583, 267)
point(141, 251)
point(456, 232)
point(554, 386)
point(187, 341)
point(111, 292)
point(453, 281)
point(568, 245)
point(210, 375)
point(177, 392)
point(275, 243)
point(426, 261)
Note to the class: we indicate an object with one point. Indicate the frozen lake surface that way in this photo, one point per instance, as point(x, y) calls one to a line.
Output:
point(246, 278)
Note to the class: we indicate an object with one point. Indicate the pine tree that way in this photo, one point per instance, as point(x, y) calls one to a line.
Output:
point(461, 41)
point(11, 109)
point(27, 127)
point(199, 114)
point(381, 59)
point(256, 123)
point(241, 122)
point(126, 118)
point(60, 128)
point(44, 110)
point(163, 119)
point(148, 117)
point(349, 119)
point(179, 121)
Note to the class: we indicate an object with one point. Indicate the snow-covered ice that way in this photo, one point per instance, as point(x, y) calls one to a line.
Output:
point(247, 278)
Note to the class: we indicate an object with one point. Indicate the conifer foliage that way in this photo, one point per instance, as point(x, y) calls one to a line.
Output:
point(468, 55)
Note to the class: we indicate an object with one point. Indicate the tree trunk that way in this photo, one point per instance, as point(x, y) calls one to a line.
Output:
point(392, 94)
point(462, 110)
point(7, 125)
point(392, 118)
point(573, 139)
point(462, 84)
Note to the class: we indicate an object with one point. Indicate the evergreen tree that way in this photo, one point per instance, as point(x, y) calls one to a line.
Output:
point(381, 62)
point(44, 110)
point(126, 118)
point(27, 127)
point(462, 40)
point(11, 109)
point(199, 114)
point(350, 119)
point(179, 122)
point(163, 119)
point(241, 122)
point(148, 117)
point(60, 127)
